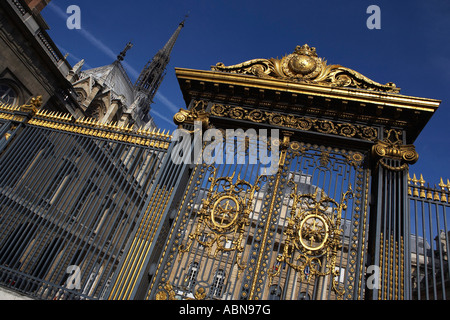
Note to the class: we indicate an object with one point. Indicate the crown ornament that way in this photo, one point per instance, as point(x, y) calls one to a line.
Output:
point(306, 50)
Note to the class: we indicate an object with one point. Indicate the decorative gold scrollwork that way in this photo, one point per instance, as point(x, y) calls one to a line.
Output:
point(313, 236)
point(392, 148)
point(305, 66)
point(224, 215)
point(166, 292)
point(296, 122)
point(189, 117)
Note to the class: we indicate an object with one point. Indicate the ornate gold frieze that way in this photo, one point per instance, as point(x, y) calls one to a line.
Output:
point(305, 66)
point(296, 122)
point(393, 148)
point(313, 236)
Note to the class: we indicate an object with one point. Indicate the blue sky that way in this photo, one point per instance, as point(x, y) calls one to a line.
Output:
point(412, 48)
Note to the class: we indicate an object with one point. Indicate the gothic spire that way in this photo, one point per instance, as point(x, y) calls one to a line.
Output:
point(122, 55)
point(153, 73)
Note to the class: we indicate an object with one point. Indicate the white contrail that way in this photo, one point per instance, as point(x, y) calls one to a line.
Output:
point(167, 102)
point(106, 50)
point(162, 117)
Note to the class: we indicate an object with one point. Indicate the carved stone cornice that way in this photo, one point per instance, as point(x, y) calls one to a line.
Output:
point(305, 66)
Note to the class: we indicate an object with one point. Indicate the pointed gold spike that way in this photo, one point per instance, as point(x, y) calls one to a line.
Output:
point(414, 179)
point(441, 184)
point(421, 181)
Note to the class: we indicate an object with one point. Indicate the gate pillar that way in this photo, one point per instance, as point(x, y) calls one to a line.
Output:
point(389, 233)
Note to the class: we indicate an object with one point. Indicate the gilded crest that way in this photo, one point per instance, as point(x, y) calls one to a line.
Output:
point(304, 65)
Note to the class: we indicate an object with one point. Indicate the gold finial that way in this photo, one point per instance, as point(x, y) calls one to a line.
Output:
point(429, 194)
point(443, 195)
point(441, 184)
point(409, 185)
point(422, 186)
point(415, 181)
point(421, 181)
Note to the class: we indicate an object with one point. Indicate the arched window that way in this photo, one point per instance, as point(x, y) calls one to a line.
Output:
point(7, 94)
point(304, 296)
point(218, 283)
point(191, 277)
point(275, 292)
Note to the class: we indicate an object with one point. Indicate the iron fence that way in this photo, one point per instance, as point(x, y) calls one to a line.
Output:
point(429, 218)
point(71, 194)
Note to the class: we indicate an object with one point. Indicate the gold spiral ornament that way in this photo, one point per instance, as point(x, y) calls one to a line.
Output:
point(348, 130)
point(410, 156)
point(324, 126)
point(179, 118)
point(256, 116)
point(379, 150)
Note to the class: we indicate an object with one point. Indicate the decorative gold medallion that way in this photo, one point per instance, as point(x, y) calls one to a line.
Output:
point(225, 212)
point(313, 232)
point(313, 236)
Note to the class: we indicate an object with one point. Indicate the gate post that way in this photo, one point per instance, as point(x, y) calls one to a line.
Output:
point(389, 226)
point(146, 243)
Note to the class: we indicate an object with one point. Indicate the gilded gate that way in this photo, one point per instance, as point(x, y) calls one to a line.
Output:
point(314, 228)
point(292, 235)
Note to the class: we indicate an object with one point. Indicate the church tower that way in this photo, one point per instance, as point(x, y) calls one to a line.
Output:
point(107, 94)
point(151, 78)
